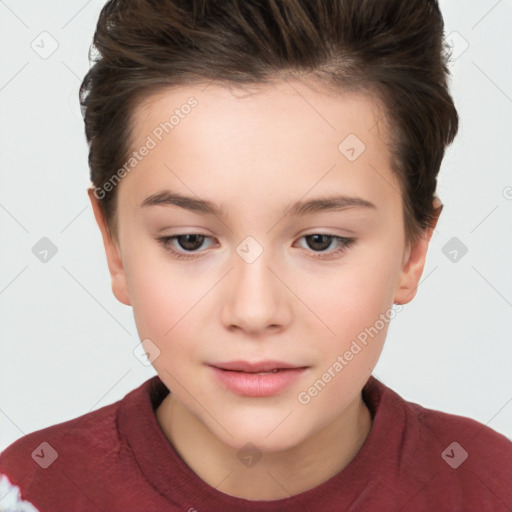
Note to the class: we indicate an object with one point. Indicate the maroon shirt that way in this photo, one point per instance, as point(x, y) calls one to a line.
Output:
point(117, 459)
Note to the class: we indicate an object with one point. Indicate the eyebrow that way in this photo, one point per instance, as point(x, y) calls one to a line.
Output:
point(320, 204)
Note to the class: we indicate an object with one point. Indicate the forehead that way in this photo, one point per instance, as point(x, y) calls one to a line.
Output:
point(264, 108)
point(288, 137)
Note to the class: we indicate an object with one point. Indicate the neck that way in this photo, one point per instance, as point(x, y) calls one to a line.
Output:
point(276, 475)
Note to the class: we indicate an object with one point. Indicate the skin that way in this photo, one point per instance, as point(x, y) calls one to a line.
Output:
point(255, 153)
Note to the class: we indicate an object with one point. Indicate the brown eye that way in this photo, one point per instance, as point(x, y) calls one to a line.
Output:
point(190, 242)
point(187, 243)
point(319, 242)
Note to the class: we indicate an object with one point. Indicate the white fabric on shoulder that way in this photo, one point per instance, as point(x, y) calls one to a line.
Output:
point(10, 498)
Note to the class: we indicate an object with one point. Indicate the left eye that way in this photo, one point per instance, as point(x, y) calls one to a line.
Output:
point(191, 242)
point(325, 240)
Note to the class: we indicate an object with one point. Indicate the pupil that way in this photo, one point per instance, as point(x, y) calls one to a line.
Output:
point(194, 244)
point(326, 239)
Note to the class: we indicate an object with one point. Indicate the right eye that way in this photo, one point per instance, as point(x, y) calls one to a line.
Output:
point(188, 241)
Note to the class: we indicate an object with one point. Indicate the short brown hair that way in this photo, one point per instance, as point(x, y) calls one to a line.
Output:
point(393, 48)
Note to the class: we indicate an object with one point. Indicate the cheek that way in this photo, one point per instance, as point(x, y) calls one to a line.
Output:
point(163, 308)
point(163, 301)
point(353, 307)
point(157, 296)
point(168, 300)
point(352, 296)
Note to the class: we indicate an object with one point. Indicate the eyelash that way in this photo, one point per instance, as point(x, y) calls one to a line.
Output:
point(166, 240)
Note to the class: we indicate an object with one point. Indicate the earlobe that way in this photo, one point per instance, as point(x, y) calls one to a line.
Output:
point(112, 252)
point(412, 269)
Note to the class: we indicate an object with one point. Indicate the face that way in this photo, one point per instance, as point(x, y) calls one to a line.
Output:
point(290, 248)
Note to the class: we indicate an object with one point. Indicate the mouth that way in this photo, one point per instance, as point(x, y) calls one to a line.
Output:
point(262, 367)
point(259, 379)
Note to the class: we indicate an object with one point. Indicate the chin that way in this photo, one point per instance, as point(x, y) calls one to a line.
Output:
point(264, 439)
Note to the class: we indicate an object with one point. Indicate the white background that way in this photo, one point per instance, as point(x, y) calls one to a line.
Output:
point(67, 344)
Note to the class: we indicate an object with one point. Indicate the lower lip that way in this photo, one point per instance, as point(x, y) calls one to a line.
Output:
point(252, 384)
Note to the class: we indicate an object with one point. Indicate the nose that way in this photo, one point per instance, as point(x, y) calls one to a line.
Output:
point(256, 297)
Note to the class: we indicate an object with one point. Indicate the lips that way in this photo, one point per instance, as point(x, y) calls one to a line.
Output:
point(259, 379)
point(256, 367)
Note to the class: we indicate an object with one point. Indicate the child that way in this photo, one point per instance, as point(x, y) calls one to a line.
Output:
point(258, 129)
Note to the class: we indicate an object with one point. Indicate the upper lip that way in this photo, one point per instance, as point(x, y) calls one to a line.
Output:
point(260, 366)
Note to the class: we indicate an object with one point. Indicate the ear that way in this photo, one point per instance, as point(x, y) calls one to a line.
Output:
point(414, 261)
point(113, 253)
